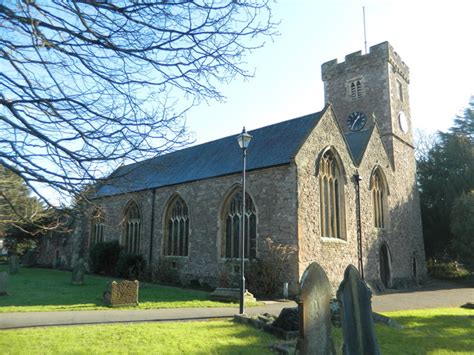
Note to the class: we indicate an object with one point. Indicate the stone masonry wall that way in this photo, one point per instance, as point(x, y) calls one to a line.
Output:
point(287, 197)
point(382, 72)
point(332, 254)
point(272, 190)
point(402, 232)
point(379, 71)
point(55, 251)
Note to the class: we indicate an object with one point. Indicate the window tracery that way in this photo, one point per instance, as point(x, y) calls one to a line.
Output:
point(97, 227)
point(379, 194)
point(233, 223)
point(331, 197)
point(177, 233)
point(132, 229)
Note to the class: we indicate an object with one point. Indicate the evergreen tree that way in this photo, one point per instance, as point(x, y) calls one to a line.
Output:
point(22, 216)
point(464, 125)
point(444, 174)
point(462, 227)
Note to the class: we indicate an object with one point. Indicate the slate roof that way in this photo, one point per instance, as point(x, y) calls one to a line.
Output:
point(357, 143)
point(272, 145)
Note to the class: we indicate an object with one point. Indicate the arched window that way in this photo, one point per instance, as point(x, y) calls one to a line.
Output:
point(97, 227)
point(177, 229)
point(379, 199)
point(355, 88)
point(132, 229)
point(233, 221)
point(331, 197)
point(359, 89)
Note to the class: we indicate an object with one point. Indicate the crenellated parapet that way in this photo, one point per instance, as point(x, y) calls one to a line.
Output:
point(382, 52)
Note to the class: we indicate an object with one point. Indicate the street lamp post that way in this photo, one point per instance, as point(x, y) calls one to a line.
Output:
point(244, 140)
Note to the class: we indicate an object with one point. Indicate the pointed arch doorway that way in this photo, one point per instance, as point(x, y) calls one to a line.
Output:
point(385, 265)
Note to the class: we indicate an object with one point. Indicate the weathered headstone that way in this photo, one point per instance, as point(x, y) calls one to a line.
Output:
point(124, 293)
point(356, 314)
point(78, 272)
point(315, 312)
point(14, 264)
point(3, 283)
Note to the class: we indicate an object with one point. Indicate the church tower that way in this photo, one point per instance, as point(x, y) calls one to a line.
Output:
point(372, 87)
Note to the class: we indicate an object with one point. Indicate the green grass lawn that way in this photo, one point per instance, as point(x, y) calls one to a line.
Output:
point(426, 331)
point(211, 337)
point(33, 290)
point(429, 331)
point(432, 331)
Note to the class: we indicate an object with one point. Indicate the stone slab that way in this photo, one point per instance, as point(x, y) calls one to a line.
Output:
point(230, 295)
point(315, 312)
point(123, 293)
point(356, 314)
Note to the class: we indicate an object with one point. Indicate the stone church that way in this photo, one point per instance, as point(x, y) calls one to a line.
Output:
point(338, 185)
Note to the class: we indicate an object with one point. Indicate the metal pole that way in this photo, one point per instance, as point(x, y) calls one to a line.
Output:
point(359, 225)
point(242, 240)
point(365, 33)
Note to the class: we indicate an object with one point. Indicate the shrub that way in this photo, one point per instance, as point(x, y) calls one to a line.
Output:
point(167, 274)
point(225, 279)
point(265, 276)
point(447, 270)
point(104, 257)
point(131, 266)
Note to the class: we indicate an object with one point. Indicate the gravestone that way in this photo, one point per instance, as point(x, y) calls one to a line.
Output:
point(3, 283)
point(315, 312)
point(78, 273)
point(123, 293)
point(356, 315)
point(14, 264)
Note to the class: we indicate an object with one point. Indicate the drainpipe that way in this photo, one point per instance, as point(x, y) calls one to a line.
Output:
point(357, 180)
point(152, 227)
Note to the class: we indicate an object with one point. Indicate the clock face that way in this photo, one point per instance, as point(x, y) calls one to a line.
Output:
point(402, 120)
point(356, 121)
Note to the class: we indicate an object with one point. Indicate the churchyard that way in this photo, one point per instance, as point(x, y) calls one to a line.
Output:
point(40, 290)
point(433, 331)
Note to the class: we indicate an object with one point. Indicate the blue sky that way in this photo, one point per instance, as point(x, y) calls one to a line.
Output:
point(434, 38)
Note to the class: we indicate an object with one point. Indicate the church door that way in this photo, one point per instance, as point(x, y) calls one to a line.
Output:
point(384, 266)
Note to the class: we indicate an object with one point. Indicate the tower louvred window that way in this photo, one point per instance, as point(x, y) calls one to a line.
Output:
point(356, 90)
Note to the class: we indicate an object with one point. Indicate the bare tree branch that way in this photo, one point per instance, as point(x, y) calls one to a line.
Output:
point(87, 85)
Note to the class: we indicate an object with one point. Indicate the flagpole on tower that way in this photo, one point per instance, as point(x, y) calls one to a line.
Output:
point(365, 32)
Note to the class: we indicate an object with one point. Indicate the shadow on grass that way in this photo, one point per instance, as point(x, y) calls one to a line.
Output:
point(450, 333)
point(45, 287)
point(211, 337)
